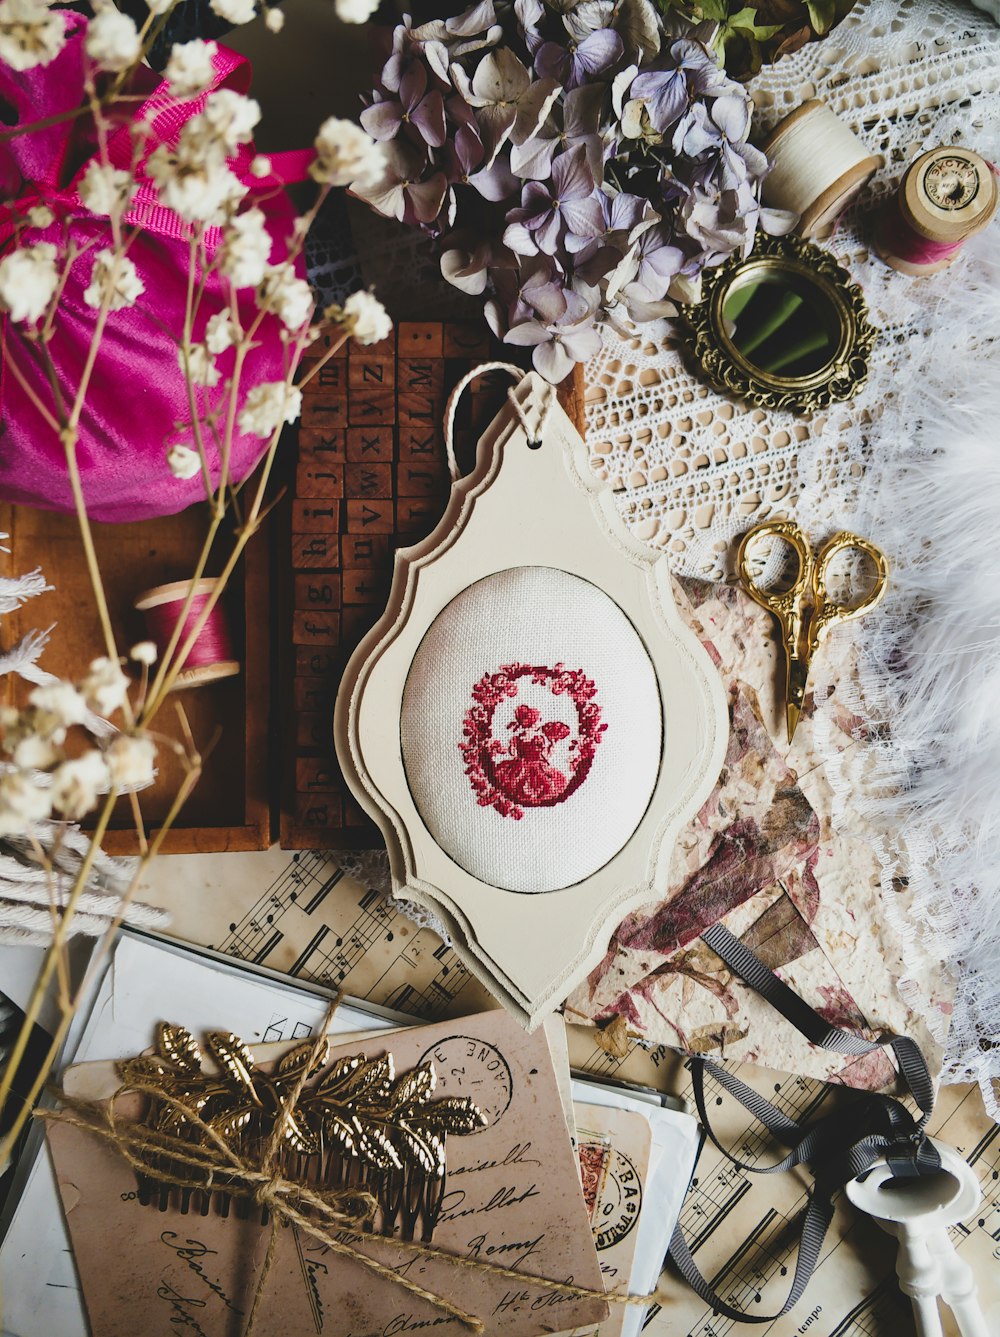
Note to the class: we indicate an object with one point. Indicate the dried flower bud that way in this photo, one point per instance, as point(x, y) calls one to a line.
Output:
point(77, 784)
point(28, 279)
point(130, 759)
point(234, 11)
point(58, 706)
point(114, 281)
point(113, 40)
point(183, 462)
point(189, 71)
point(363, 317)
point(104, 189)
point(145, 652)
point(33, 752)
point(41, 216)
point(268, 406)
point(22, 803)
point(31, 34)
point(105, 687)
point(345, 154)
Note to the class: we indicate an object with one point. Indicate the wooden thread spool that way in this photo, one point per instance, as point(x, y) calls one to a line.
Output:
point(818, 166)
point(945, 197)
point(211, 656)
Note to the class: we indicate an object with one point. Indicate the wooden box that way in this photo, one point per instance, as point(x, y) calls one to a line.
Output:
point(229, 808)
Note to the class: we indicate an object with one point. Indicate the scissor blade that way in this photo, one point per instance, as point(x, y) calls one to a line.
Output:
point(796, 677)
point(792, 713)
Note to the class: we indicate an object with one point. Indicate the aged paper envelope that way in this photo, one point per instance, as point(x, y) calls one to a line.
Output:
point(512, 1197)
point(614, 1147)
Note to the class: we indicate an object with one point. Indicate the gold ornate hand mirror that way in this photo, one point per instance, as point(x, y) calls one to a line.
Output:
point(784, 328)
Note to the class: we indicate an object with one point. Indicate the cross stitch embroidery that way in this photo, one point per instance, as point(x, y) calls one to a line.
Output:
point(512, 774)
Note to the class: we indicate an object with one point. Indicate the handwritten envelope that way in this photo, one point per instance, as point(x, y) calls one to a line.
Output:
point(614, 1149)
point(512, 1197)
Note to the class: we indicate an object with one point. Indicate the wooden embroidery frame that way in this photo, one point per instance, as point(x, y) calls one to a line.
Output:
point(530, 505)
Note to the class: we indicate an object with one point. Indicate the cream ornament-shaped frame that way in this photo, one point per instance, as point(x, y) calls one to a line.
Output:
point(530, 949)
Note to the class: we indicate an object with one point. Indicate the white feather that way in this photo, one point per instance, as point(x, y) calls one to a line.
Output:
point(930, 669)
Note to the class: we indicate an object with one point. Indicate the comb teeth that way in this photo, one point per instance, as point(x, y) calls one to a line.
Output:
point(409, 1200)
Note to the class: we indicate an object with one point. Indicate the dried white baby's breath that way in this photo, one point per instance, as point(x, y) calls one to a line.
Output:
point(113, 40)
point(105, 189)
point(28, 279)
point(22, 803)
point(105, 687)
point(77, 785)
point(235, 11)
point(113, 280)
point(221, 333)
point(268, 406)
point(58, 706)
point(345, 154)
point(131, 759)
point(363, 317)
point(189, 71)
point(289, 297)
point(31, 34)
point(199, 365)
point(227, 120)
point(145, 652)
point(355, 11)
point(183, 462)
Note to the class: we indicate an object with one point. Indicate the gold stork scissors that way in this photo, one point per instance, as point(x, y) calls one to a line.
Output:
point(806, 611)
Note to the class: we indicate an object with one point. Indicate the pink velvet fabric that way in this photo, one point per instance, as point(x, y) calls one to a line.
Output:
point(137, 402)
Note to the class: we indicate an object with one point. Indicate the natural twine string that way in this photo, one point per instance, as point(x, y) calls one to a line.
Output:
point(217, 1166)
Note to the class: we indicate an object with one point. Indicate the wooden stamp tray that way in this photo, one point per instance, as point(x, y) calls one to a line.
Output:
point(230, 806)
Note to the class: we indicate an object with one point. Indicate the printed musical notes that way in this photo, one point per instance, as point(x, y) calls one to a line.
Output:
point(313, 921)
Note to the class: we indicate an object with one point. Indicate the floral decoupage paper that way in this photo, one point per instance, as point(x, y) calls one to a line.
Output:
point(763, 857)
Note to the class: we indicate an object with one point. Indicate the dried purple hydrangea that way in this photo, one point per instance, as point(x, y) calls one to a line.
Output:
point(576, 161)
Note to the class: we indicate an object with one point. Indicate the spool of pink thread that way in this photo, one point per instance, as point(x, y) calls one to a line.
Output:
point(211, 656)
point(945, 197)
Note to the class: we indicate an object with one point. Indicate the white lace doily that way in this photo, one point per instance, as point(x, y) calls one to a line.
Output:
point(693, 468)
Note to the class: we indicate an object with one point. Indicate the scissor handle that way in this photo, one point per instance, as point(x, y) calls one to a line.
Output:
point(786, 605)
point(828, 611)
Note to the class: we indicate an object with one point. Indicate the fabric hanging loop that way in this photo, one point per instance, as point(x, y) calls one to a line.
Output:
point(839, 1147)
point(534, 434)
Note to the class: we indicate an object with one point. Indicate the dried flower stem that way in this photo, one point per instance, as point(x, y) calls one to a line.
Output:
point(9, 1140)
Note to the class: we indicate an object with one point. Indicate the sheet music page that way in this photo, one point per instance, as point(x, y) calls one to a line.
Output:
point(304, 915)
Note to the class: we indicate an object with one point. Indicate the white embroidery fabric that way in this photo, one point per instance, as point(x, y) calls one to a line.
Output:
point(551, 621)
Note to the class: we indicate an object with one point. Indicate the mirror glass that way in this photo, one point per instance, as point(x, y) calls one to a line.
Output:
point(781, 322)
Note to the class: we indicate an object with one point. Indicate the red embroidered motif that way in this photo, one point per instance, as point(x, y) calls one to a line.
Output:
point(517, 774)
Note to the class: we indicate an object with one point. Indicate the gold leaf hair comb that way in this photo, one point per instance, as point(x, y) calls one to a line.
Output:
point(354, 1126)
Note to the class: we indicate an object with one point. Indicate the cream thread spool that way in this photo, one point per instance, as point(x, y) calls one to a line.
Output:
point(945, 197)
point(211, 656)
point(818, 166)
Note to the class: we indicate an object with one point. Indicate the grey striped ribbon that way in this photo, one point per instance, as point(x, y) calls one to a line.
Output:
point(838, 1148)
